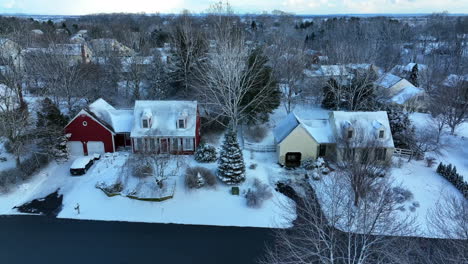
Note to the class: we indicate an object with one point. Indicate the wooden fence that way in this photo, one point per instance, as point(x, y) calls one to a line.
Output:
point(259, 147)
point(405, 153)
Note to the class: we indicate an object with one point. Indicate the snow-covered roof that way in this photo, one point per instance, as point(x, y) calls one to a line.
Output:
point(319, 129)
point(409, 66)
point(67, 49)
point(454, 79)
point(387, 80)
point(137, 60)
point(81, 162)
point(407, 92)
point(368, 123)
point(327, 71)
point(121, 120)
point(285, 127)
point(165, 115)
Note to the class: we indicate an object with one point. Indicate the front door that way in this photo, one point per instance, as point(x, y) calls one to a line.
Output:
point(164, 145)
point(293, 159)
point(322, 150)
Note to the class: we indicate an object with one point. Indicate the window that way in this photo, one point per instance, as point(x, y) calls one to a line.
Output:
point(381, 154)
point(181, 123)
point(350, 134)
point(145, 123)
point(381, 133)
point(188, 143)
point(85, 123)
point(175, 144)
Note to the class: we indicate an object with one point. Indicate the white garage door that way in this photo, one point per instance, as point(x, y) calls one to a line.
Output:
point(75, 148)
point(95, 147)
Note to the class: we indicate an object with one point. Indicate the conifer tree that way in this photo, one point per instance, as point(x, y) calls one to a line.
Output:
point(231, 167)
point(413, 78)
point(50, 125)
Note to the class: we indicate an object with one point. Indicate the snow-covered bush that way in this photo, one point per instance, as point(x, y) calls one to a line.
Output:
point(258, 194)
point(308, 164)
point(110, 189)
point(253, 166)
point(231, 166)
point(401, 195)
point(197, 177)
point(142, 170)
point(205, 153)
point(430, 161)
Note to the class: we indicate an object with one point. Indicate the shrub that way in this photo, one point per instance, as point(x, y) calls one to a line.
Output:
point(259, 193)
point(197, 177)
point(205, 153)
point(253, 166)
point(401, 195)
point(450, 173)
point(430, 161)
point(142, 170)
point(256, 133)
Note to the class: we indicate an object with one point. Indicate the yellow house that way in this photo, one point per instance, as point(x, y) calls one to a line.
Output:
point(342, 136)
point(297, 140)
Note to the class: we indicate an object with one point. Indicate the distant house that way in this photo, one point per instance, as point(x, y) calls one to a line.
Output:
point(405, 70)
point(150, 127)
point(344, 135)
point(76, 53)
point(10, 50)
point(396, 90)
point(105, 47)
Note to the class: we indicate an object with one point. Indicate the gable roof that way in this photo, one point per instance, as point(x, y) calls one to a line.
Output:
point(121, 120)
point(319, 129)
point(164, 117)
point(400, 89)
point(368, 123)
point(94, 117)
point(285, 127)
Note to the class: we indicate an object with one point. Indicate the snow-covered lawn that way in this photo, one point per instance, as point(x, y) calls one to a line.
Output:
point(202, 206)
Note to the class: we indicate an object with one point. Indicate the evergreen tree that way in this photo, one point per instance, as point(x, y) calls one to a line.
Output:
point(50, 124)
point(262, 84)
point(413, 78)
point(253, 25)
point(231, 167)
point(401, 127)
point(439, 168)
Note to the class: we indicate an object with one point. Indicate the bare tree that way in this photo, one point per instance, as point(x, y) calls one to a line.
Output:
point(449, 219)
point(330, 229)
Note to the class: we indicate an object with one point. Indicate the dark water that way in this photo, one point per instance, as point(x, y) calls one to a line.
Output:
point(38, 239)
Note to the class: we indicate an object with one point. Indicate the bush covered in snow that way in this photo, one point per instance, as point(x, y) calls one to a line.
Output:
point(401, 195)
point(258, 194)
point(197, 177)
point(110, 189)
point(142, 170)
point(205, 153)
point(450, 173)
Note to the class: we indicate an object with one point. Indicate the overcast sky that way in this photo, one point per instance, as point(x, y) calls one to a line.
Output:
point(80, 7)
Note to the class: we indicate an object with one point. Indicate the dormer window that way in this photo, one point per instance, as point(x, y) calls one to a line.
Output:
point(145, 123)
point(381, 133)
point(181, 123)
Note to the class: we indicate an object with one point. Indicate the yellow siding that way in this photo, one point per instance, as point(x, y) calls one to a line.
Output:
point(298, 141)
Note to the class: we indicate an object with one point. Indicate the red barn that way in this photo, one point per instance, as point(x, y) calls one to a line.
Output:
point(150, 127)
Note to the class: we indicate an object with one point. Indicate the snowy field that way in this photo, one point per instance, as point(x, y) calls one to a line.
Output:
point(202, 206)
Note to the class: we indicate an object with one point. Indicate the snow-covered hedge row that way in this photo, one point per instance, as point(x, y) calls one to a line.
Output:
point(449, 172)
point(205, 153)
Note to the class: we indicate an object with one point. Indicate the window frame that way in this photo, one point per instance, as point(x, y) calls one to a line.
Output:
point(184, 126)
point(381, 133)
point(184, 144)
point(143, 122)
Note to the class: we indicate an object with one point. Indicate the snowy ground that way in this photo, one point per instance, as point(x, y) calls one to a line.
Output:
point(203, 206)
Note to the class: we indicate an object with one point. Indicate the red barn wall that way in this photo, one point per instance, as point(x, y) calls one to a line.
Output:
point(93, 131)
